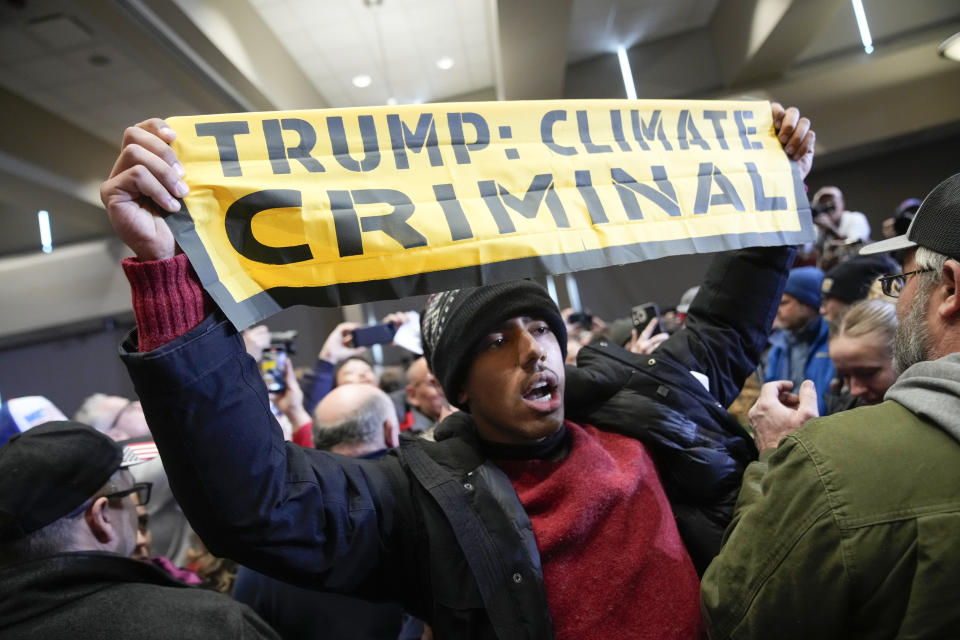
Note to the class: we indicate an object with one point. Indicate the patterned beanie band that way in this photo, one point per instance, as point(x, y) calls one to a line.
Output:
point(455, 322)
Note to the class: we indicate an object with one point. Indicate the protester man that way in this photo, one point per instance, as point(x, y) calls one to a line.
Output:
point(849, 528)
point(428, 405)
point(68, 525)
point(356, 420)
point(799, 348)
point(494, 530)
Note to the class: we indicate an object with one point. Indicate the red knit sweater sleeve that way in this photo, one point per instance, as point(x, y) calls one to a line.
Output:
point(168, 299)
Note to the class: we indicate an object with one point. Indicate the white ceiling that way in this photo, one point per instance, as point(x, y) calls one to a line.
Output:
point(75, 73)
point(59, 62)
point(889, 21)
point(396, 43)
point(600, 26)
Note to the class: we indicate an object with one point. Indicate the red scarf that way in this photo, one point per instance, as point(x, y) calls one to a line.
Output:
point(613, 562)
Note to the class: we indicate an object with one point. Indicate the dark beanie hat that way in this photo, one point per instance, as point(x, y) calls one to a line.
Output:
point(850, 281)
point(455, 322)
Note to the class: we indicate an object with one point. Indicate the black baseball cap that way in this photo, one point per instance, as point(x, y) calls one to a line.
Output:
point(850, 280)
point(50, 470)
point(936, 225)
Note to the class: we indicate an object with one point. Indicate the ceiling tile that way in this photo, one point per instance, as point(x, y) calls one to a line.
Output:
point(16, 45)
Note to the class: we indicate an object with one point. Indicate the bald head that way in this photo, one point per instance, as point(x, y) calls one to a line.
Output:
point(355, 419)
point(423, 390)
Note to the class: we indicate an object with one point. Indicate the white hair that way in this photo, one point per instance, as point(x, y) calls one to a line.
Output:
point(913, 342)
point(92, 412)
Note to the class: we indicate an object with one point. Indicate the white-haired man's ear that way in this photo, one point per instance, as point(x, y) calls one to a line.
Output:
point(949, 307)
point(391, 433)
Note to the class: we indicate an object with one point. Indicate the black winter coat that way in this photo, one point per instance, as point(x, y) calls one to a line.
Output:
point(95, 595)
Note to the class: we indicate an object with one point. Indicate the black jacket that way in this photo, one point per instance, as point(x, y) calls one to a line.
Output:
point(435, 525)
point(96, 596)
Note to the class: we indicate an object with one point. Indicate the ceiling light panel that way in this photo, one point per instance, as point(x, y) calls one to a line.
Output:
point(398, 44)
point(600, 26)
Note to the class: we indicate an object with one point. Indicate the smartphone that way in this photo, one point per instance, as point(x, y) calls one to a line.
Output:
point(643, 313)
point(376, 334)
point(584, 319)
point(273, 368)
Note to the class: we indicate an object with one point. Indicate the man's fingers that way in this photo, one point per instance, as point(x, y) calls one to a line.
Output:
point(158, 127)
point(788, 124)
point(137, 158)
point(648, 330)
point(791, 400)
point(775, 389)
point(153, 143)
point(291, 377)
point(657, 340)
point(806, 145)
point(778, 111)
point(808, 400)
point(796, 138)
point(135, 182)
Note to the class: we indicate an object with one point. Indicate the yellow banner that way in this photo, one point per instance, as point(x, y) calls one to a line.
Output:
point(331, 207)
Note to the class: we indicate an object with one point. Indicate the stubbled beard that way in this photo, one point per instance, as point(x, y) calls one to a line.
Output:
point(912, 342)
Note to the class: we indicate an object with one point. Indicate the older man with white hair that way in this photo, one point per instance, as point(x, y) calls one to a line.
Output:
point(849, 526)
point(68, 526)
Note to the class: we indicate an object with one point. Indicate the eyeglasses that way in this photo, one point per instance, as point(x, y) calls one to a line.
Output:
point(142, 489)
point(893, 285)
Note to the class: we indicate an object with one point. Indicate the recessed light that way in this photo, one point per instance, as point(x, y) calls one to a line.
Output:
point(362, 81)
point(950, 48)
point(46, 238)
point(391, 101)
point(446, 62)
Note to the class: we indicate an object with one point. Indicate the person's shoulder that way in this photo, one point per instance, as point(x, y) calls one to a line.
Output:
point(882, 462)
point(186, 605)
point(862, 426)
point(855, 215)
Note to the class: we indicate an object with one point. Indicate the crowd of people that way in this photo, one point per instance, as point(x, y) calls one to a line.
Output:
point(536, 473)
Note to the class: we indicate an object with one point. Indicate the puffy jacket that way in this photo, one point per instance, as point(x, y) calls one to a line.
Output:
point(435, 525)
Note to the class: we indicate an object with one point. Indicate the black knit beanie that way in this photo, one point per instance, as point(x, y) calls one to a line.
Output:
point(455, 322)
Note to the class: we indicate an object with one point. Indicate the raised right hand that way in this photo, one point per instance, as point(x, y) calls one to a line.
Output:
point(645, 342)
point(339, 344)
point(145, 180)
point(778, 413)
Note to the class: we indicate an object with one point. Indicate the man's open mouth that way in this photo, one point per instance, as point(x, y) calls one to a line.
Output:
point(542, 392)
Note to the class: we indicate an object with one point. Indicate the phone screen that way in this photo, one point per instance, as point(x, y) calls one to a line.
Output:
point(377, 334)
point(273, 368)
point(643, 313)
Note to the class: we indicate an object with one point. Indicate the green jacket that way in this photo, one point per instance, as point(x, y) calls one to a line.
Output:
point(849, 529)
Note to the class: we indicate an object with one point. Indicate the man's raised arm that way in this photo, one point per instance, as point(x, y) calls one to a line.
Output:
point(729, 320)
point(302, 515)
